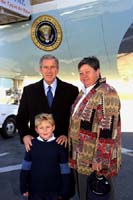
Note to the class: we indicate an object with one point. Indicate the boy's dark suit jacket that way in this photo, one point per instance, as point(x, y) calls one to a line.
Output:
point(34, 101)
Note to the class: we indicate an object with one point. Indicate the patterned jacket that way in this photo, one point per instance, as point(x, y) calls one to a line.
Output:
point(95, 131)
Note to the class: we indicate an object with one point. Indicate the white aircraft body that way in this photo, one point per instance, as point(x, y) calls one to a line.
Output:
point(103, 28)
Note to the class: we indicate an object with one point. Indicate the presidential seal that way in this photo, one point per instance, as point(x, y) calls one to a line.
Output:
point(46, 33)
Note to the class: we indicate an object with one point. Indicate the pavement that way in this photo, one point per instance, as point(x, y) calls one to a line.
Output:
point(11, 156)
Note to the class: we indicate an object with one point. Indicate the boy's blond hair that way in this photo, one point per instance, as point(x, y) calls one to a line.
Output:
point(44, 117)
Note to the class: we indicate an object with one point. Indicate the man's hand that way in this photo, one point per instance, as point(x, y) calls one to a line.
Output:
point(62, 140)
point(27, 142)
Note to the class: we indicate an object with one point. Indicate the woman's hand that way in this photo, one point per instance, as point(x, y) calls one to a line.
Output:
point(96, 166)
point(26, 194)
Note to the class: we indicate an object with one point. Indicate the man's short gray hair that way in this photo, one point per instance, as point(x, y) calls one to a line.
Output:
point(48, 57)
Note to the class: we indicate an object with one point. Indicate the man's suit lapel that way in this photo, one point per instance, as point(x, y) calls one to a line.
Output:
point(58, 93)
point(41, 94)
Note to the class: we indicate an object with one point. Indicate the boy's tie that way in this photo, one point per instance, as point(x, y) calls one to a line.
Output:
point(49, 96)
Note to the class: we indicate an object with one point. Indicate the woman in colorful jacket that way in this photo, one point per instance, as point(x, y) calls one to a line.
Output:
point(95, 127)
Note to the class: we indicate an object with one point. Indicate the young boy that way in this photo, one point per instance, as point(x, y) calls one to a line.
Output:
point(45, 174)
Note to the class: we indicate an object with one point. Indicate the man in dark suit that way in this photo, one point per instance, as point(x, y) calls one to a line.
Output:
point(34, 101)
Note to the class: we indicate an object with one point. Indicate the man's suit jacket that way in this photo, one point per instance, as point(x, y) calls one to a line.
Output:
point(34, 101)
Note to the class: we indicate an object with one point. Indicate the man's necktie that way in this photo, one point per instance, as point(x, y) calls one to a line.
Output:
point(49, 96)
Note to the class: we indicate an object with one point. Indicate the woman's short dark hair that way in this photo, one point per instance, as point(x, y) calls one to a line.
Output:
point(92, 61)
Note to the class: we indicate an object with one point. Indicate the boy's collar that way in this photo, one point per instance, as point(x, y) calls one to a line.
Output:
point(49, 140)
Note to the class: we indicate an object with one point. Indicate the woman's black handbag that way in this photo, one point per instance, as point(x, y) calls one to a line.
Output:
point(98, 187)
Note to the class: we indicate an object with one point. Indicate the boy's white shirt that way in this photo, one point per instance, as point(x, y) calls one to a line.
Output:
point(49, 140)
